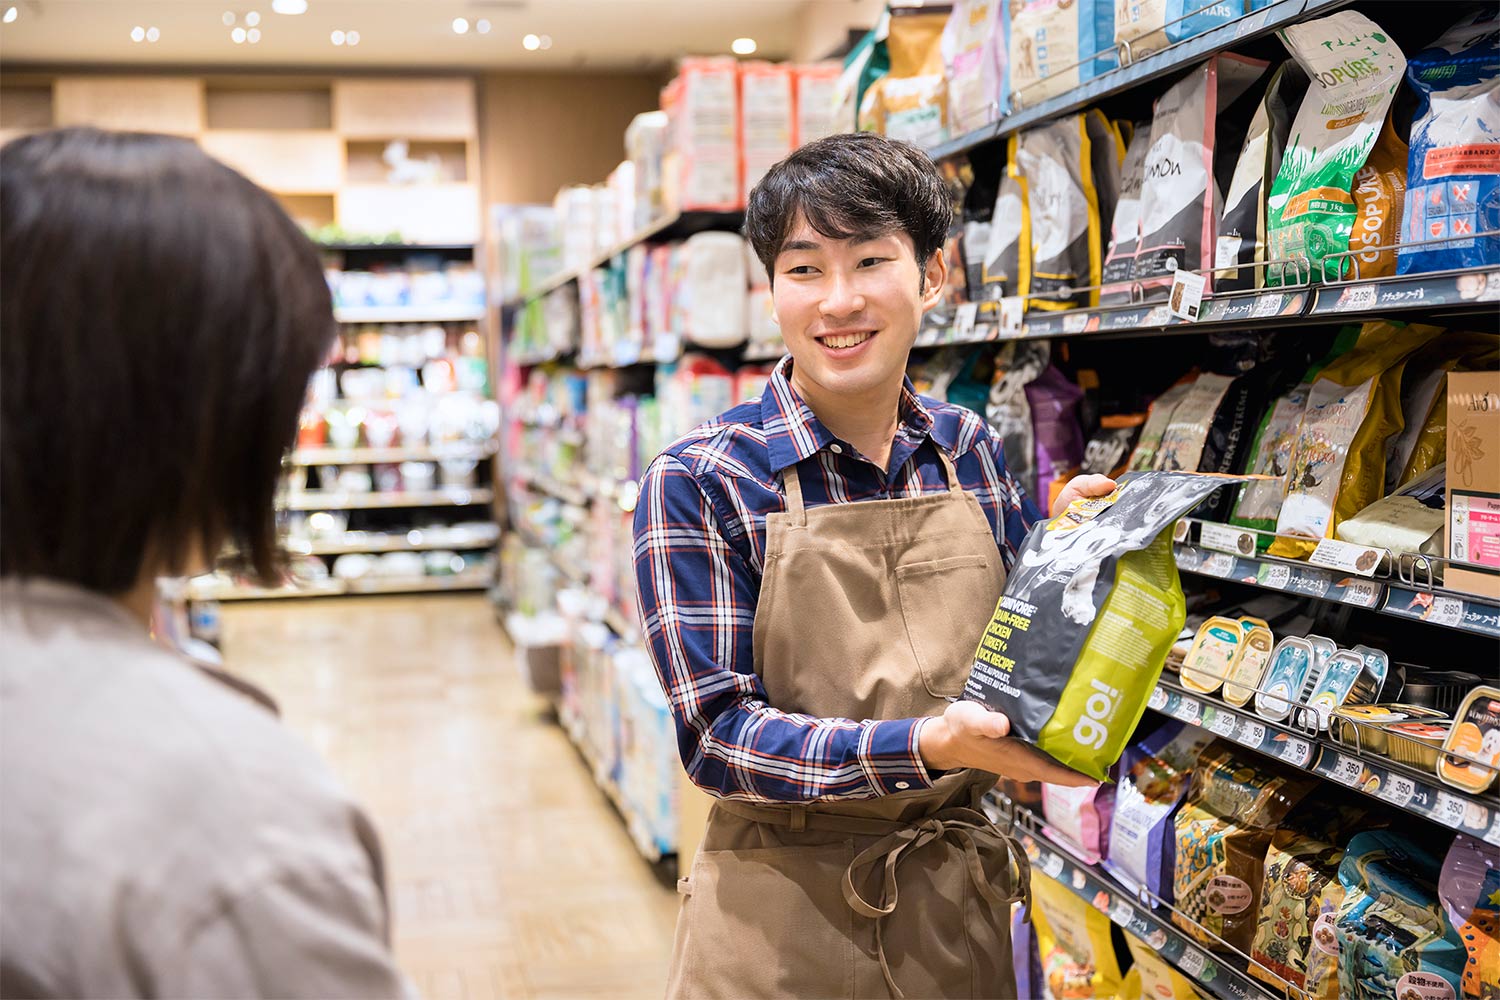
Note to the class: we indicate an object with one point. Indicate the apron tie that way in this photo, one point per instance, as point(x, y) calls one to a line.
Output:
point(967, 828)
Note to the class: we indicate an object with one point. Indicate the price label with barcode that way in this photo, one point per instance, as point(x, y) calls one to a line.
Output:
point(1267, 305)
point(1398, 789)
point(963, 320)
point(1189, 710)
point(1347, 770)
point(1361, 593)
point(1012, 314)
point(1075, 322)
point(1158, 699)
point(1218, 564)
point(1296, 751)
point(1357, 297)
point(1492, 835)
point(1052, 864)
point(1277, 576)
point(1252, 733)
point(1193, 962)
point(1449, 810)
point(1222, 724)
point(1446, 611)
point(1121, 912)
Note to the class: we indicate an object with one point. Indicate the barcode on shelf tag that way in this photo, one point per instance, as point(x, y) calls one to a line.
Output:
point(1052, 864)
point(963, 320)
point(1361, 593)
point(1121, 912)
point(1297, 751)
point(1449, 810)
point(1277, 576)
point(1219, 564)
point(1334, 554)
point(1268, 304)
point(1012, 315)
point(1159, 316)
point(1222, 538)
point(1357, 297)
point(1186, 297)
point(1252, 733)
point(1398, 789)
point(1075, 322)
point(1447, 611)
point(1193, 962)
point(1158, 699)
point(1347, 770)
point(1222, 724)
point(1189, 710)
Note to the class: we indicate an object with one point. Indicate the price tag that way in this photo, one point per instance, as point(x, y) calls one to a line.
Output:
point(1186, 297)
point(963, 321)
point(1189, 710)
point(1357, 297)
point(1252, 733)
point(1398, 789)
point(1158, 699)
point(1347, 770)
point(1361, 593)
point(1222, 724)
point(1121, 912)
point(1334, 554)
point(1075, 322)
point(1052, 864)
point(1193, 962)
point(1158, 316)
point(1446, 611)
point(1449, 810)
point(1276, 576)
point(1219, 564)
point(1222, 538)
point(1012, 314)
point(1492, 835)
point(1296, 751)
point(1266, 305)
point(1309, 581)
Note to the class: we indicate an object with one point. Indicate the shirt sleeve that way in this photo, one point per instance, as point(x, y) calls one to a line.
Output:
point(1017, 511)
point(697, 602)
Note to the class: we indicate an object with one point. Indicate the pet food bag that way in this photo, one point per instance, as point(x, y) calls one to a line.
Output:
point(1354, 67)
point(1299, 869)
point(868, 61)
point(1080, 816)
point(1236, 802)
point(702, 163)
point(1076, 945)
point(1242, 228)
point(1057, 162)
point(910, 102)
point(1158, 417)
point(1024, 957)
point(1469, 891)
point(816, 93)
point(1408, 521)
point(1179, 195)
point(712, 295)
point(1125, 233)
point(1057, 44)
point(1394, 938)
point(767, 117)
point(1158, 980)
point(1151, 25)
point(1007, 258)
point(1053, 401)
point(1379, 196)
point(1092, 604)
point(974, 54)
point(1008, 411)
point(1453, 181)
point(1108, 451)
point(1182, 442)
point(1154, 777)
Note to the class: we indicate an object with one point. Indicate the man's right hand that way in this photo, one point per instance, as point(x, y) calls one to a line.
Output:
point(969, 735)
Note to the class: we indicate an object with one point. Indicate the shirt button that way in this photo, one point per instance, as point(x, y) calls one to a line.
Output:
point(836, 449)
point(903, 785)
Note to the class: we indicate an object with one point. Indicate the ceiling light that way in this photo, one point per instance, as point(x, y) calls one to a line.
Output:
point(546, 42)
point(228, 19)
point(743, 46)
point(138, 34)
point(252, 36)
point(11, 13)
point(460, 25)
point(337, 37)
point(238, 34)
point(153, 34)
point(351, 38)
point(531, 43)
point(289, 6)
point(482, 26)
point(252, 18)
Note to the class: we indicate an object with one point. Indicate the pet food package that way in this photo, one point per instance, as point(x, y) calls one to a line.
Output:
point(1301, 874)
point(1024, 957)
point(1338, 465)
point(1354, 67)
point(974, 54)
point(1091, 606)
point(1125, 233)
point(1241, 236)
point(1453, 181)
point(1379, 198)
point(1154, 777)
point(1158, 980)
point(1408, 521)
point(767, 98)
point(868, 61)
point(713, 290)
point(910, 102)
point(1075, 942)
point(1107, 453)
point(702, 168)
point(1006, 269)
point(1056, 161)
point(1008, 411)
point(1394, 939)
point(1182, 443)
point(1473, 530)
point(1053, 400)
point(1469, 891)
point(1051, 42)
point(1149, 26)
point(1249, 668)
point(816, 86)
point(1236, 802)
point(1158, 417)
point(1179, 195)
point(1080, 816)
point(1472, 751)
point(1215, 651)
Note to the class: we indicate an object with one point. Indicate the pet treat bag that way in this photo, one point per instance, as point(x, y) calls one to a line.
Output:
point(1076, 943)
point(1154, 777)
point(1469, 889)
point(1091, 606)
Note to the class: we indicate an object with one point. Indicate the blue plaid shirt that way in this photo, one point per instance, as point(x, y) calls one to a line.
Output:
point(700, 537)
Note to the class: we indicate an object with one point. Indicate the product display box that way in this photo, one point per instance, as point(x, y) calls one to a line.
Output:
point(1472, 534)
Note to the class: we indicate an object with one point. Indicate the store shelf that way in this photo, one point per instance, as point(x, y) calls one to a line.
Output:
point(458, 313)
point(1427, 292)
point(618, 624)
point(639, 835)
point(393, 543)
point(211, 592)
point(552, 488)
point(420, 584)
point(396, 247)
point(1172, 59)
point(1408, 789)
point(1219, 975)
point(337, 588)
point(378, 456)
point(452, 497)
point(673, 227)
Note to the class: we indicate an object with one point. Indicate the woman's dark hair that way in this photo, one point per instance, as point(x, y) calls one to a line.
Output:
point(856, 185)
point(160, 316)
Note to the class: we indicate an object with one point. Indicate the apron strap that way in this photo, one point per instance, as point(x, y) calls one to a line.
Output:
point(794, 507)
point(953, 484)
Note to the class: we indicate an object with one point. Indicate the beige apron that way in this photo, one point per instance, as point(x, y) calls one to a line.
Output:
point(868, 610)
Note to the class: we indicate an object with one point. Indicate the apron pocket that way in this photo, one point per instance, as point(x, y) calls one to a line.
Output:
point(946, 604)
point(766, 922)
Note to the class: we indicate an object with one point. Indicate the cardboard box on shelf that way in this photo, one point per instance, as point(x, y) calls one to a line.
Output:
point(1472, 534)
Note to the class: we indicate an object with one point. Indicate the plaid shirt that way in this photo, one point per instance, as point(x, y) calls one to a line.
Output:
point(700, 537)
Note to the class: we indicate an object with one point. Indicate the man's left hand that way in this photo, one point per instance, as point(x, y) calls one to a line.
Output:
point(1080, 488)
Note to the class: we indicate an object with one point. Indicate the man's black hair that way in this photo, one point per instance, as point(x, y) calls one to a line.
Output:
point(159, 321)
point(856, 185)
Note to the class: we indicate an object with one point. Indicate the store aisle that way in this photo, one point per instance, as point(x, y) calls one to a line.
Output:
point(510, 875)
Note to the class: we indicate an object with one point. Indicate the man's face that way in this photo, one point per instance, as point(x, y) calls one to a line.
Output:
point(849, 310)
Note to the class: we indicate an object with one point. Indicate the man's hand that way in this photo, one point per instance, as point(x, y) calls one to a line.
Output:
point(1080, 487)
point(969, 735)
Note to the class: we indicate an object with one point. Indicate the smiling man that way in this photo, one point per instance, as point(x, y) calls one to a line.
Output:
point(815, 569)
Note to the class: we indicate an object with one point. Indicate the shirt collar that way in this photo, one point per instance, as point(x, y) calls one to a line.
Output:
point(794, 432)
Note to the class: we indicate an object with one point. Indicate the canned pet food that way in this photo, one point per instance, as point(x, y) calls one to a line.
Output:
point(1417, 743)
point(1361, 726)
point(1475, 735)
point(1291, 661)
point(1339, 679)
point(1255, 655)
point(1214, 652)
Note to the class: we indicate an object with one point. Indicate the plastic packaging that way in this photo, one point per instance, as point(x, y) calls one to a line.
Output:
point(1062, 211)
point(1408, 521)
point(1215, 651)
point(1475, 737)
point(974, 54)
point(1118, 272)
point(1249, 669)
point(1469, 891)
point(910, 102)
point(1057, 44)
point(1075, 943)
point(1154, 777)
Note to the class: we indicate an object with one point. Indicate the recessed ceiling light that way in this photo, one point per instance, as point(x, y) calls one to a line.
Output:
point(351, 38)
point(531, 43)
point(546, 42)
point(228, 19)
point(252, 36)
point(153, 34)
point(482, 26)
point(138, 34)
point(460, 25)
point(252, 18)
point(743, 46)
point(289, 6)
point(336, 37)
point(238, 34)
point(11, 13)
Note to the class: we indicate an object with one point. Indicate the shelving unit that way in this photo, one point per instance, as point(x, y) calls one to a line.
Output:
point(336, 588)
point(451, 497)
point(376, 456)
point(410, 314)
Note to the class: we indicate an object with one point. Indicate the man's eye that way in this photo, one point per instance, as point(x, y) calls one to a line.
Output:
point(802, 269)
point(872, 261)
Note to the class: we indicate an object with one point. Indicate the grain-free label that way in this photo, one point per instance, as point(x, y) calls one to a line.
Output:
point(1228, 895)
point(1334, 554)
point(1424, 986)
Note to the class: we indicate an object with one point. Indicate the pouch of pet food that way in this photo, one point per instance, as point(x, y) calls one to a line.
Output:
point(1053, 399)
point(910, 102)
point(1057, 162)
point(1151, 25)
point(1080, 816)
point(1379, 198)
point(1057, 44)
point(1299, 868)
point(1469, 890)
point(1091, 606)
point(1354, 67)
point(974, 54)
point(1125, 231)
point(1007, 257)
point(1018, 364)
point(1394, 939)
point(1158, 980)
point(1453, 183)
point(1154, 777)
point(1408, 521)
point(1024, 957)
point(1182, 443)
point(1179, 196)
point(1242, 228)
point(1158, 418)
point(1075, 942)
point(1108, 451)
point(868, 61)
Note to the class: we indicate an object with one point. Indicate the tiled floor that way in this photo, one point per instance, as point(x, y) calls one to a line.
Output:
point(510, 874)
